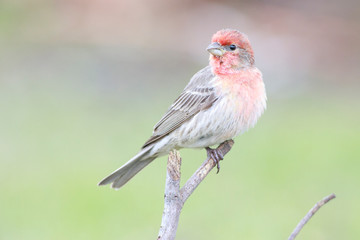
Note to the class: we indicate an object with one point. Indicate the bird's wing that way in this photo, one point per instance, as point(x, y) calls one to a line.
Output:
point(198, 95)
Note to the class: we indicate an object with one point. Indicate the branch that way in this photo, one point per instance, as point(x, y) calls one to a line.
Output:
point(173, 202)
point(174, 197)
point(203, 171)
point(307, 217)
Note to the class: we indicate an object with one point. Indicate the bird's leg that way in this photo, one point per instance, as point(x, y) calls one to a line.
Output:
point(216, 155)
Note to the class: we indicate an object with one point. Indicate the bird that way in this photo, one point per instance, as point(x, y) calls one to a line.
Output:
point(221, 101)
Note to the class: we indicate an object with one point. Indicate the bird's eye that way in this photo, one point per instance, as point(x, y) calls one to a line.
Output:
point(232, 47)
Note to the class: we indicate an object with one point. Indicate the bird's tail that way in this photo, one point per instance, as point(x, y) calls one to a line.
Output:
point(122, 175)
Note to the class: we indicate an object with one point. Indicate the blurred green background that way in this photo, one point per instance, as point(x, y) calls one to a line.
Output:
point(83, 82)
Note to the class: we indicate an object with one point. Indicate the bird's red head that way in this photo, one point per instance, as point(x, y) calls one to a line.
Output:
point(230, 51)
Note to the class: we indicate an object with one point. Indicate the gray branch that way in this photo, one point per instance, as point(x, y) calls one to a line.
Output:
point(173, 201)
point(307, 217)
point(176, 197)
point(203, 171)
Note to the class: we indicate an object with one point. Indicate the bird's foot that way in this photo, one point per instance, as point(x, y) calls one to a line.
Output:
point(215, 155)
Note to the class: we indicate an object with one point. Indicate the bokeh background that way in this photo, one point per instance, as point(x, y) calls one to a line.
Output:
point(82, 82)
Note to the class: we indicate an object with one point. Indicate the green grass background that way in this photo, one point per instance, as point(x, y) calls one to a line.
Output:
point(57, 141)
point(77, 101)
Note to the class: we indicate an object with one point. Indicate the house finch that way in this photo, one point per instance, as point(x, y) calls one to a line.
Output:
point(220, 102)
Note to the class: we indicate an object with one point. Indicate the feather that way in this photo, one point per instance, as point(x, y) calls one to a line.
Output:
point(122, 175)
point(198, 95)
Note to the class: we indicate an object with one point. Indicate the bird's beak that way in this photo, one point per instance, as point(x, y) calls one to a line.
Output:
point(216, 49)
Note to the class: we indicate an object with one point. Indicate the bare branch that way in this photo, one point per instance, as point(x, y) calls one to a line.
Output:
point(203, 171)
point(173, 202)
point(307, 217)
point(174, 197)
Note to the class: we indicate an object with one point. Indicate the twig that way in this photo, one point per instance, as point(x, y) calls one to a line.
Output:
point(307, 217)
point(203, 171)
point(176, 197)
point(173, 202)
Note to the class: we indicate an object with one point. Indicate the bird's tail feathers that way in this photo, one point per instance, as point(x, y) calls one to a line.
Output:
point(122, 175)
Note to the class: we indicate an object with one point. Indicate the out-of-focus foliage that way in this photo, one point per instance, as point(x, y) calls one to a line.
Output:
point(83, 82)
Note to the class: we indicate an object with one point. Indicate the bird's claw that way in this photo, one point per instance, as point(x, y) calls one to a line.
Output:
point(215, 155)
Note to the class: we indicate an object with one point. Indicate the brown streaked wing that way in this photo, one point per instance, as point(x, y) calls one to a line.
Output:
point(197, 95)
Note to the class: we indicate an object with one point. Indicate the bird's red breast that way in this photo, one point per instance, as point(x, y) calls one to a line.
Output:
point(245, 92)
